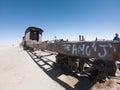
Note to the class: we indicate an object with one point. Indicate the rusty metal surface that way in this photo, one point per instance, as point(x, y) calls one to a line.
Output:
point(105, 50)
point(33, 28)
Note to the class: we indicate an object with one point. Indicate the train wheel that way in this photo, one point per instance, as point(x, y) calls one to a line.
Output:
point(111, 68)
point(103, 69)
point(100, 69)
point(61, 60)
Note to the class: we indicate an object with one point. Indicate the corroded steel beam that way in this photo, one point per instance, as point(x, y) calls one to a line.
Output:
point(105, 50)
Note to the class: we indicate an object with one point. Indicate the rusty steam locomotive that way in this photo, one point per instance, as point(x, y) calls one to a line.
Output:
point(96, 58)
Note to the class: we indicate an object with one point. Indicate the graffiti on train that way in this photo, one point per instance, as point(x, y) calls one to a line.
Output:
point(101, 50)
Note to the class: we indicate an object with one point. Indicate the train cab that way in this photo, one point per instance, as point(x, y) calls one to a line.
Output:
point(33, 36)
point(33, 33)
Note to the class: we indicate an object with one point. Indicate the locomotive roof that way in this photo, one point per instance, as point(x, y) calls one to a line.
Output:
point(34, 29)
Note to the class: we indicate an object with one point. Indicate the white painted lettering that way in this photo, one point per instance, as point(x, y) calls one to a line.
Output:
point(67, 47)
point(104, 51)
point(74, 49)
point(88, 51)
point(81, 49)
point(94, 46)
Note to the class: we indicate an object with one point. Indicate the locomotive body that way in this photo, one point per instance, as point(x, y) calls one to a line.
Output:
point(33, 36)
point(82, 56)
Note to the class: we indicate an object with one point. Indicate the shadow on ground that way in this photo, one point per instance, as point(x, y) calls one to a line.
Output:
point(51, 69)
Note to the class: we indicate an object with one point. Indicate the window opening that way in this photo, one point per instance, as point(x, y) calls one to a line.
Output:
point(34, 35)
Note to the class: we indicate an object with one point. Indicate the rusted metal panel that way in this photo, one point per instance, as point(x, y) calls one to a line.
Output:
point(105, 50)
point(35, 30)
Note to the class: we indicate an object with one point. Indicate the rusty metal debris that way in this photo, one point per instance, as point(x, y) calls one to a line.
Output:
point(95, 58)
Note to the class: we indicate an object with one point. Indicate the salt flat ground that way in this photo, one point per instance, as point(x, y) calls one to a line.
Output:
point(22, 70)
point(19, 72)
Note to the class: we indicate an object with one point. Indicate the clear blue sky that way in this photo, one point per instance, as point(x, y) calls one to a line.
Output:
point(61, 18)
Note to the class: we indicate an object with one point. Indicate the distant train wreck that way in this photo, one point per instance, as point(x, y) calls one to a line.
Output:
point(100, 56)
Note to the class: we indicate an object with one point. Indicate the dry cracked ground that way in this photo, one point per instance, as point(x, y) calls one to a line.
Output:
point(22, 70)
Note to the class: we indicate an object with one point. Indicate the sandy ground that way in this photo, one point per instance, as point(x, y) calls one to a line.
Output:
point(21, 70)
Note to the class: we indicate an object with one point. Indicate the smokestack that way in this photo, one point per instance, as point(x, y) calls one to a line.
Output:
point(79, 37)
point(82, 38)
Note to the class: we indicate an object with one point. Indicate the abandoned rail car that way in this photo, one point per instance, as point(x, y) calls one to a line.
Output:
point(33, 36)
point(96, 58)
